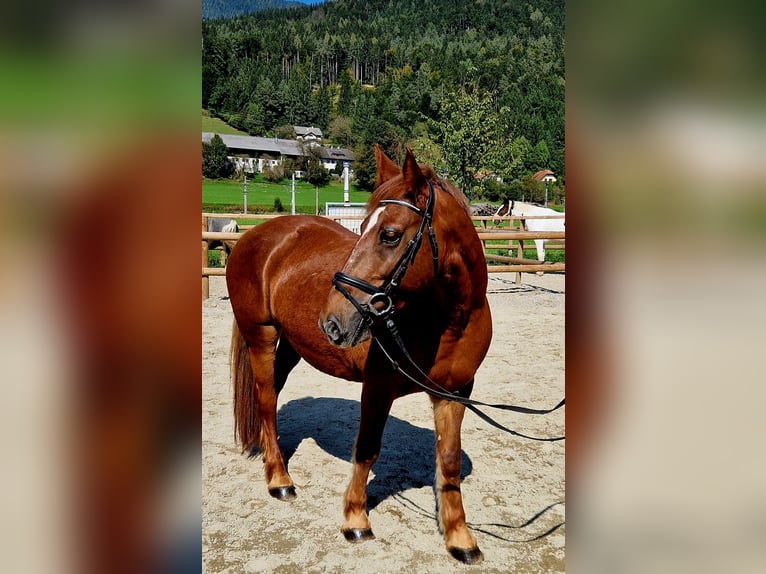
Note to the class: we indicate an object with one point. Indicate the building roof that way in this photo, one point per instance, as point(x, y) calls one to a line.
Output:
point(542, 173)
point(256, 144)
point(276, 146)
point(303, 132)
point(336, 154)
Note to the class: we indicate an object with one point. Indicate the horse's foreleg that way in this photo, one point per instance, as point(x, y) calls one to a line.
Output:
point(540, 245)
point(448, 418)
point(262, 359)
point(376, 404)
point(286, 359)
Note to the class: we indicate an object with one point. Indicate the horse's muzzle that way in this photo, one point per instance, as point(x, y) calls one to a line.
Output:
point(349, 335)
point(331, 328)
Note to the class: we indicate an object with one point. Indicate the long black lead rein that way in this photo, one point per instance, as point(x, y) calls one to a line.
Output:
point(442, 393)
point(380, 308)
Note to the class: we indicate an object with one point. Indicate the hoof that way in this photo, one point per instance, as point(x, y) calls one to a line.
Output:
point(283, 492)
point(358, 534)
point(467, 555)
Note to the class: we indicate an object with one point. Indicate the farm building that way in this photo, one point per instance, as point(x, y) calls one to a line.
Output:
point(308, 133)
point(252, 153)
point(331, 156)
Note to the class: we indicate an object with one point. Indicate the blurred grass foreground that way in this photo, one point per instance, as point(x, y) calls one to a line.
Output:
point(666, 140)
point(99, 343)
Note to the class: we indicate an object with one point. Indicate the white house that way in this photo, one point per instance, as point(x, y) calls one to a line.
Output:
point(251, 153)
point(304, 133)
point(331, 156)
point(545, 175)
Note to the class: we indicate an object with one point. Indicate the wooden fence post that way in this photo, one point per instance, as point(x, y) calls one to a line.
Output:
point(205, 278)
point(520, 250)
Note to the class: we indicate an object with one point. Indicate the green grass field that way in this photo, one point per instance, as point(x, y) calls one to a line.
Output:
point(218, 126)
point(224, 196)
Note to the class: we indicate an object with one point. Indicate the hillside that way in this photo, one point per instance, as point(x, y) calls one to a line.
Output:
point(230, 8)
point(218, 126)
point(470, 86)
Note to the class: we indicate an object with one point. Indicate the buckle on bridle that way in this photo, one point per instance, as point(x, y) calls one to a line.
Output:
point(380, 305)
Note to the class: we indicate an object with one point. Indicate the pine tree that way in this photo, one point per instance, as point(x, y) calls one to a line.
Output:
point(215, 163)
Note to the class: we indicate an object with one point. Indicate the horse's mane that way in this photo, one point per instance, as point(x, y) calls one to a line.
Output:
point(381, 192)
point(449, 187)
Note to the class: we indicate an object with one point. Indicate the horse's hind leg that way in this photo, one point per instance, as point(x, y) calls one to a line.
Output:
point(264, 356)
point(461, 544)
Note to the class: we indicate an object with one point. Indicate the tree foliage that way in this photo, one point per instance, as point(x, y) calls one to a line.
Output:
point(532, 189)
point(230, 8)
point(397, 73)
point(273, 174)
point(215, 163)
point(466, 132)
point(316, 174)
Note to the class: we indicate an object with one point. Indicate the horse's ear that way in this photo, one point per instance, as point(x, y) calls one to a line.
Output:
point(413, 177)
point(386, 168)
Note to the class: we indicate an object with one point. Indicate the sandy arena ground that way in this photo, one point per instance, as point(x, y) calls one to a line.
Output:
point(513, 488)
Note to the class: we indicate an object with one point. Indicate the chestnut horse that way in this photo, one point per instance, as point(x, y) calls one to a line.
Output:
point(432, 292)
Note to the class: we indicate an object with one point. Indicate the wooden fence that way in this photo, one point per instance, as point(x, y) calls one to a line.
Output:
point(492, 238)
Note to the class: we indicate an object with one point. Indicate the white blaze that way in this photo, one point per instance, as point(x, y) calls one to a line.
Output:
point(373, 219)
point(371, 223)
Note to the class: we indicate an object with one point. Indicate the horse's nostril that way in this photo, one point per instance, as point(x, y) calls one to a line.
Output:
point(332, 330)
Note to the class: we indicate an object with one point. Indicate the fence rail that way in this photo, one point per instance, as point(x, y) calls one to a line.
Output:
point(513, 239)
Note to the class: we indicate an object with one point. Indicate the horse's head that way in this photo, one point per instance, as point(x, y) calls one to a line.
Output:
point(396, 254)
point(505, 209)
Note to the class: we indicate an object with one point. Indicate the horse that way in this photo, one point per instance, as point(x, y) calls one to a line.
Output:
point(221, 225)
point(432, 294)
point(519, 209)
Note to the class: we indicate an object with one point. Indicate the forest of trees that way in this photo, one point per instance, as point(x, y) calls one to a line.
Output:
point(231, 8)
point(469, 86)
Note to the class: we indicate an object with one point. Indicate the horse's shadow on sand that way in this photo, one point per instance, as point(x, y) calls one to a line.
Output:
point(407, 456)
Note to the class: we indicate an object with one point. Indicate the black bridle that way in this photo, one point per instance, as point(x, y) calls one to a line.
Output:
point(380, 304)
point(379, 310)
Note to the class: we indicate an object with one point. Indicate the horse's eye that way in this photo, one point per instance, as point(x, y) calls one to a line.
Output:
point(390, 236)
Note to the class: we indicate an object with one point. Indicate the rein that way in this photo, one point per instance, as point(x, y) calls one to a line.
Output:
point(380, 309)
point(456, 396)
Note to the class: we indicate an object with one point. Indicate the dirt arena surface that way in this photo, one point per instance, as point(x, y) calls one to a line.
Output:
point(513, 488)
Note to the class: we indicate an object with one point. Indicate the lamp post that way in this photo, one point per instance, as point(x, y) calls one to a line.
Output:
point(548, 179)
point(346, 165)
point(244, 192)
